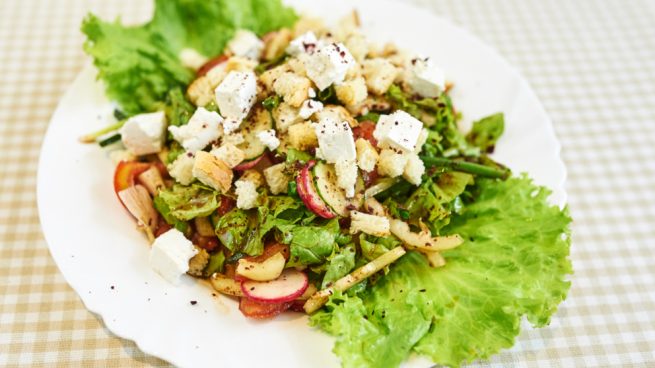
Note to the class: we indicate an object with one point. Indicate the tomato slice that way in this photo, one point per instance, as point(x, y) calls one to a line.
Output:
point(227, 204)
point(256, 310)
point(210, 64)
point(208, 243)
point(365, 130)
point(126, 173)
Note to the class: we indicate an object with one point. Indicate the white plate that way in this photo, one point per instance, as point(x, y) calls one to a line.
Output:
point(96, 246)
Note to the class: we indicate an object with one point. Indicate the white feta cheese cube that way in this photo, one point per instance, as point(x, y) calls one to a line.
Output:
point(203, 128)
point(311, 93)
point(182, 168)
point(309, 107)
point(246, 44)
point(335, 140)
point(305, 43)
point(399, 130)
point(246, 192)
point(425, 78)
point(192, 59)
point(268, 138)
point(329, 65)
point(346, 171)
point(235, 96)
point(170, 255)
point(144, 133)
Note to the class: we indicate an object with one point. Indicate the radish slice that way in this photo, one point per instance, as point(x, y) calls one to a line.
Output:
point(290, 285)
point(308, 194)
point(247, 165)
point(270, 269)
point(257, 310)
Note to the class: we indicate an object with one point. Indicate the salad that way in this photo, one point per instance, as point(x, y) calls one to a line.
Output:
point(299, 167)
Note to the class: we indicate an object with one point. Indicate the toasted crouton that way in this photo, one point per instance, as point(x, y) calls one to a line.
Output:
point(229, 154)
point(367, 155)
point(352, 92)
point(212, 171)
point(414, 169)
point(276, 178)
point(293, 88)
point(380, 74)
point(302, 136)
point(392, 163)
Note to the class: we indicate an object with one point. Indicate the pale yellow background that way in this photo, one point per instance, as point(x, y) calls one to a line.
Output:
point(592, 63)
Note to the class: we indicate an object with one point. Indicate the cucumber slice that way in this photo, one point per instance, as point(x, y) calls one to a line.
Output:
point(326, 184)
point(259, 121)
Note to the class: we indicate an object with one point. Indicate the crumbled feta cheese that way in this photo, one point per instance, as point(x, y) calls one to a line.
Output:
point(305, 43)
point(182, 168)
point(203, 128)
point(276, 178)
point(309, 107)
point(414, 169)
point(246, 44)
point(329, 65)
point(399, 130)
point(369, 224)
point(192, 59)
point(229, 153)
point(170, 255)
point(144, 133)
point(268, 138)
point(311, 93)
point(335, 140)
point(235, 96)
point(346, 171)
point(425, 78)
point(246, 192)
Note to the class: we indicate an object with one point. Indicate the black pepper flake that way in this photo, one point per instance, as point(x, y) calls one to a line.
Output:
point(252, 288)
point(193, 302)
point(213, 294)
point(189, 154)
point(422, 290)
point(342, 53)
point(112, 287)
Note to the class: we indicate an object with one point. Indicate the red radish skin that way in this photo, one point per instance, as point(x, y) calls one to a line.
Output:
point(210, 64)
point(256, 310)
point(248, 164)
point(126, 173)
point(308, 194)
point(365, 130)
point(290, 285)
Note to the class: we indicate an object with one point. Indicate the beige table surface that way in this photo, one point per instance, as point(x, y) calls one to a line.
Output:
point(592, 63)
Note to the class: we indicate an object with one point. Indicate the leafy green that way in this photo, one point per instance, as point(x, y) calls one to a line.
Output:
point(372, 247)
point(178, 109)
point(486, 131)
point(294, 155)
point(313, 244)
point(233, 228)
point(187, 202)
point(513, 263)
point(215, 264)
point(140, 64)
point(271, 102)
point(163, 209)
point(339, 265)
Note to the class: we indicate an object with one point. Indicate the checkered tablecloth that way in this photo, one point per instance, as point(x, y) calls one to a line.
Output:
point(592, 63)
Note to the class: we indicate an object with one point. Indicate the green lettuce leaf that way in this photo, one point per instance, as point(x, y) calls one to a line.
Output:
point(486, 131)
point(313, 244)
point(232, 229)
point(187, 202)
point(513, 263)
point(339, 265)
point(140, 64)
